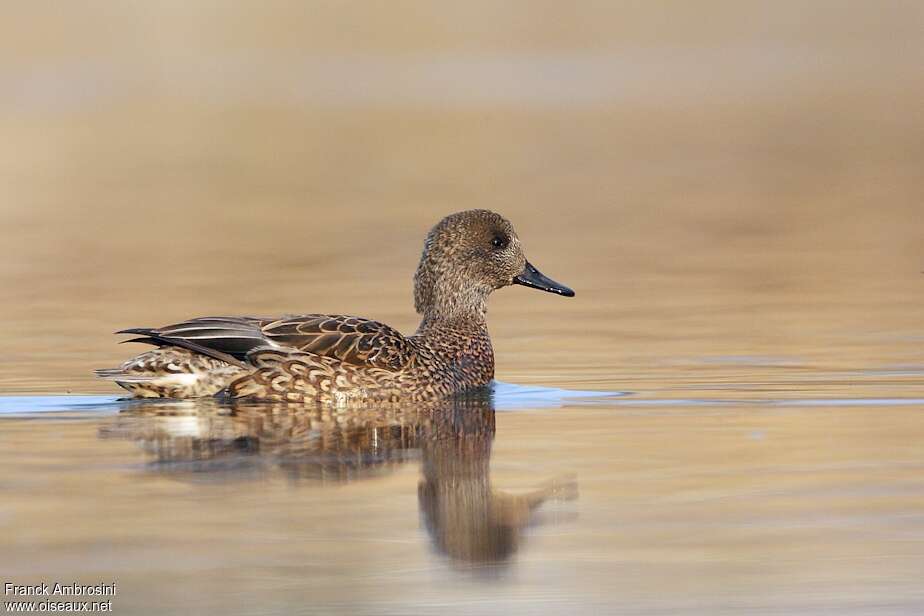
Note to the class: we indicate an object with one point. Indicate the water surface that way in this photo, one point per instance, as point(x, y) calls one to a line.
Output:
point(532, 499)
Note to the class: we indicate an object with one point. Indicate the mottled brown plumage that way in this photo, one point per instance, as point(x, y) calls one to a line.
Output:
point(342, 359)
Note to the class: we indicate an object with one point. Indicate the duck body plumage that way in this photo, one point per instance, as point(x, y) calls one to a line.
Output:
point(305, 358)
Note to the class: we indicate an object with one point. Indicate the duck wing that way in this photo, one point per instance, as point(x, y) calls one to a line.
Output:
point(226, 338)
point(353, 340)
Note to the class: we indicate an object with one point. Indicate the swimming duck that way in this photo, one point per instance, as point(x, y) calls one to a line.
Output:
point(327, 358)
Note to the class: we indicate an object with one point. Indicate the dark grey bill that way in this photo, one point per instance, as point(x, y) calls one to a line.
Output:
point(531, 277)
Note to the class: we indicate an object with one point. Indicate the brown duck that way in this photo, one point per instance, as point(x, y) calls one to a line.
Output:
point(338, 359)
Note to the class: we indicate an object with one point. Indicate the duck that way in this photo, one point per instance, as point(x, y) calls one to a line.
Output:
point(341, 359)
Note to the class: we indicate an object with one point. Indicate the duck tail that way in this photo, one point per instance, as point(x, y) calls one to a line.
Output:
point(108, 373)
point(152, 336)
point(120, 376)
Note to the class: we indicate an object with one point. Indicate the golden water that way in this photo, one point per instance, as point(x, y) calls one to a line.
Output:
point(735, 194)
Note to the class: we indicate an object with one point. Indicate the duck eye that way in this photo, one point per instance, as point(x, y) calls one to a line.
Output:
point(500, 241)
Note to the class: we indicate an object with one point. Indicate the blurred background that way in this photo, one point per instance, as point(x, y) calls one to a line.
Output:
point(713, 178)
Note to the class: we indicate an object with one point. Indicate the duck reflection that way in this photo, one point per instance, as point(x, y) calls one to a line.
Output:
point(467, 519)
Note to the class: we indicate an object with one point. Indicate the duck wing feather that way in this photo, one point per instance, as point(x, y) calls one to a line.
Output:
point(352, 340)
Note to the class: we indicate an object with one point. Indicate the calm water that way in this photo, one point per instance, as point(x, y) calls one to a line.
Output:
point(530, 500)
point(728, 418)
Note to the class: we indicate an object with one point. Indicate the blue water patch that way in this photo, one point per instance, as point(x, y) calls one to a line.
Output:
point(506, 396)
point(28, 405)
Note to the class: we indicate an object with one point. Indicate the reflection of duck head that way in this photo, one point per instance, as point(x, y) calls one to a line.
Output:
point(466, 518)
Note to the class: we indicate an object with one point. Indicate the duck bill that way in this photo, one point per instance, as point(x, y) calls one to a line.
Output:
point(531, 277)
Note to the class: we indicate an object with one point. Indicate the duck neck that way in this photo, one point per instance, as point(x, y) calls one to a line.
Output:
point(454, 325)
point(458, 339)
point(469, 323)
point(455, 306)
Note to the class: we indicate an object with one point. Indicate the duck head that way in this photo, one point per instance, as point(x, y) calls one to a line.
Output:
point(468, 255)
